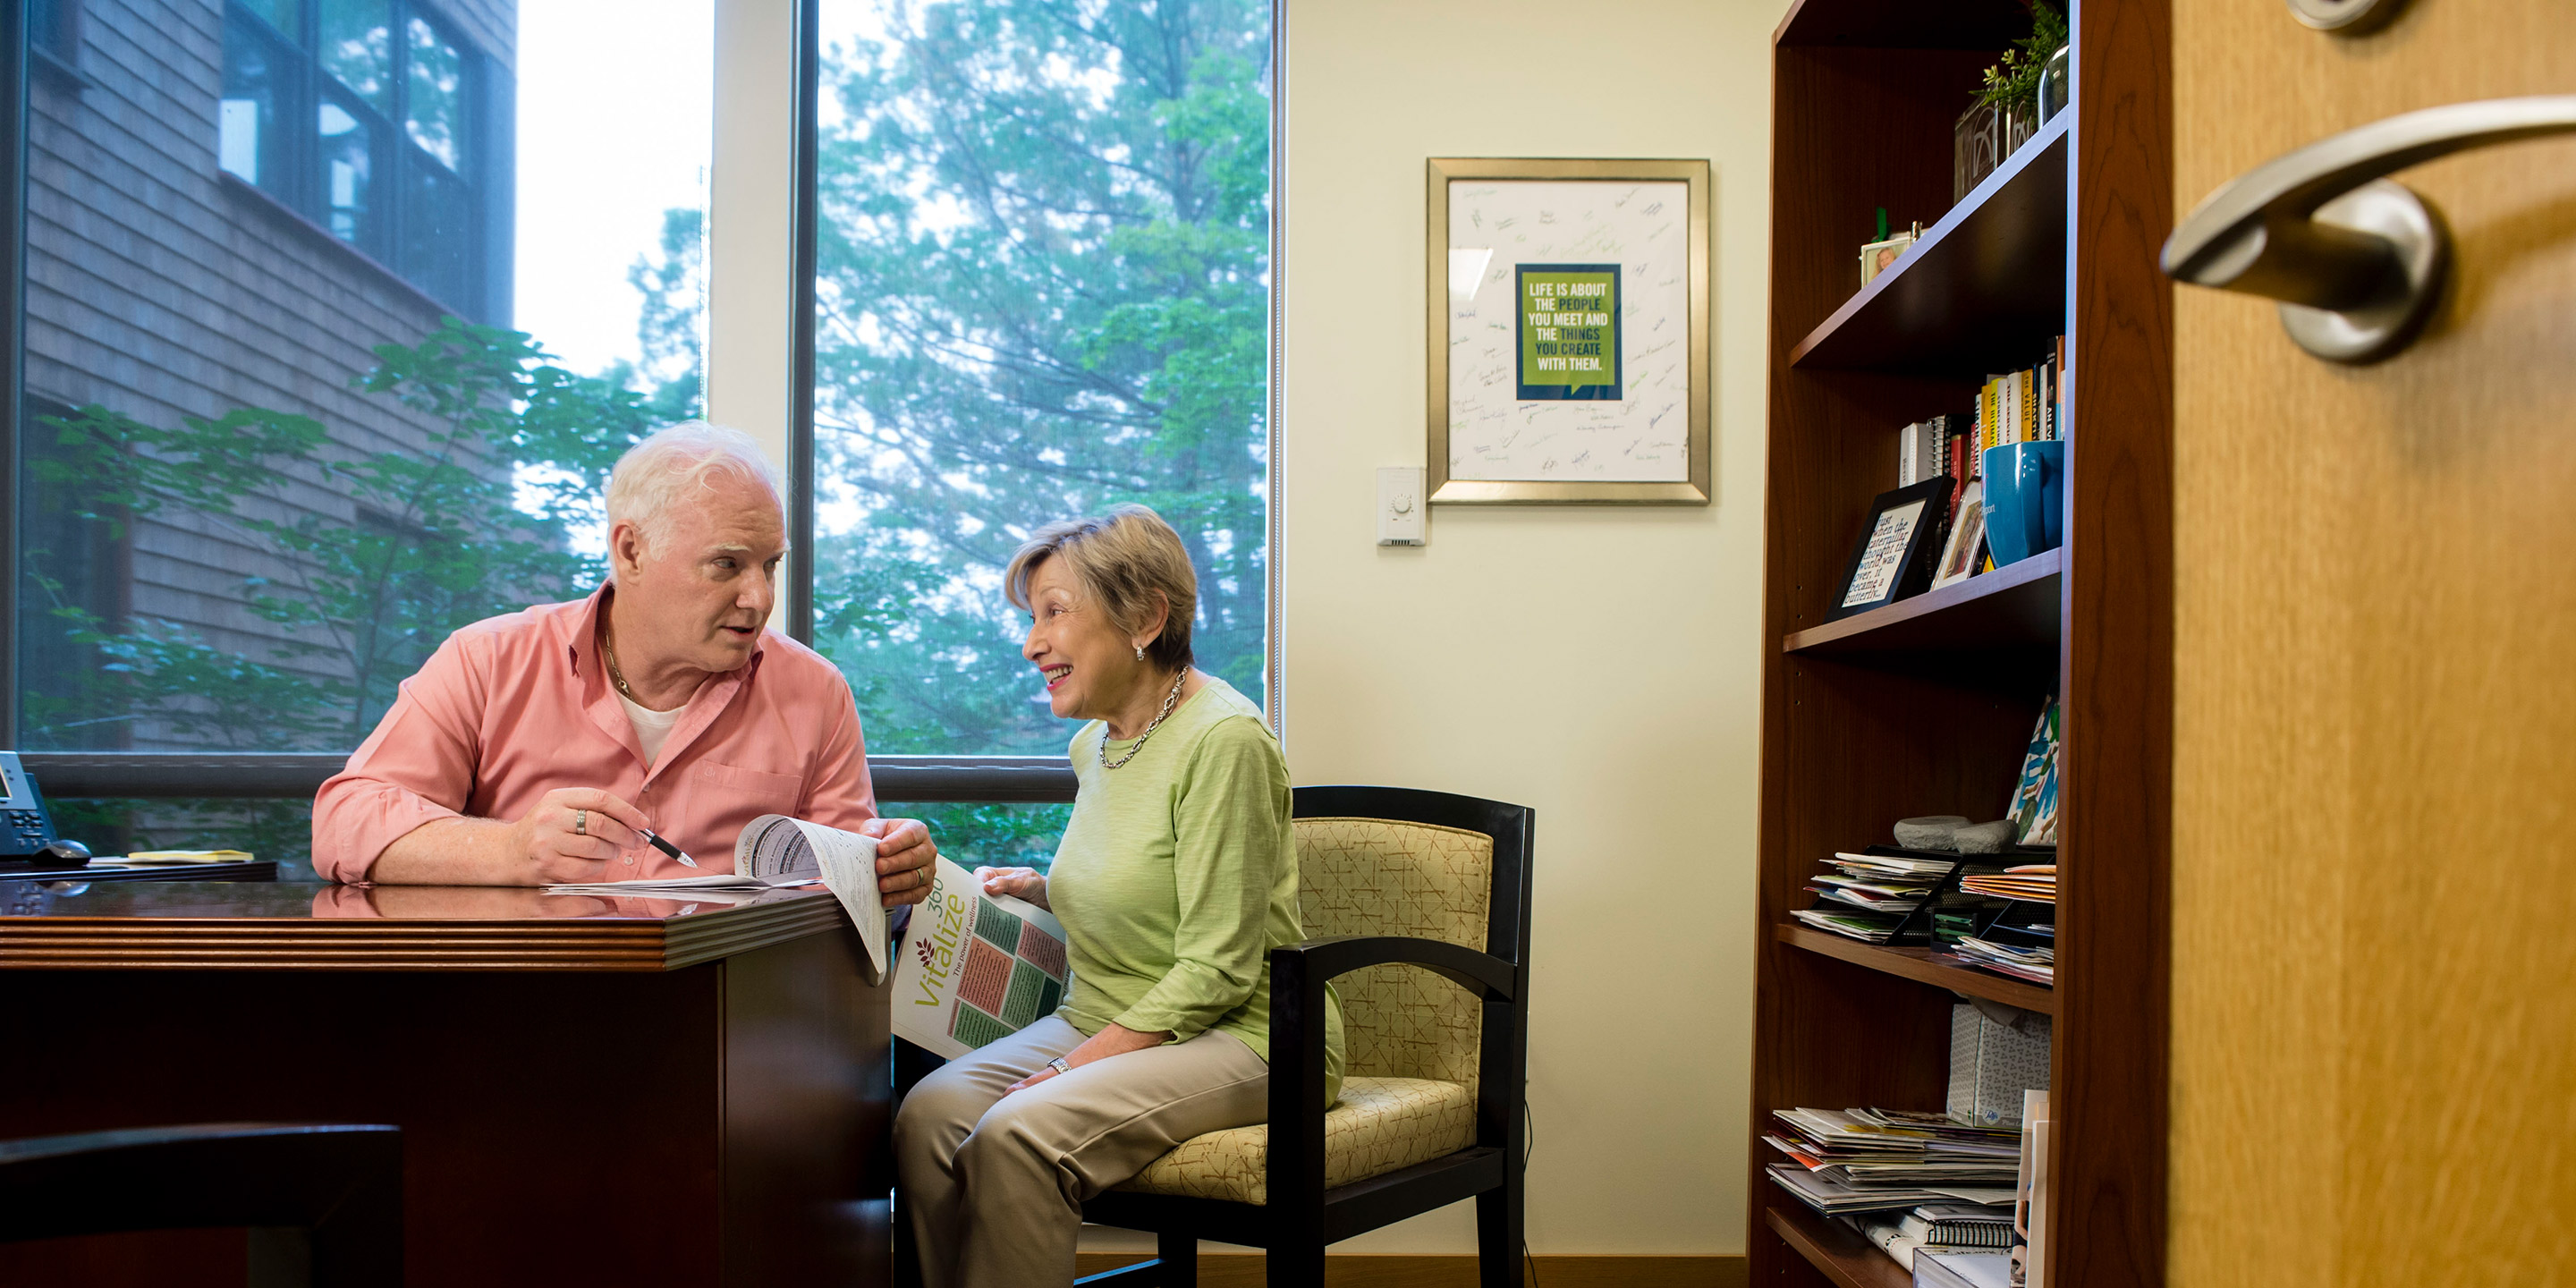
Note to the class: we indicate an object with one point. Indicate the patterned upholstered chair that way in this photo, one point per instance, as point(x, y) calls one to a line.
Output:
point(1400, 889)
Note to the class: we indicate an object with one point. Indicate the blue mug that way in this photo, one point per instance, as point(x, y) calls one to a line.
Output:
point(2025, 497)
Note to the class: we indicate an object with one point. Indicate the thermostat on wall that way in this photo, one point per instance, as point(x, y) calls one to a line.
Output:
point(1399, 505)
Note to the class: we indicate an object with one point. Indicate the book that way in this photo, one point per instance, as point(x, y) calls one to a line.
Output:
point(773, 853)
point(1918, 452)
point(1902, 1236)
point(2030, 1192)
point(975, 967)
point(1963, 1270)
point(2033, 809)
point(1959, 1225)
point(2064, 391)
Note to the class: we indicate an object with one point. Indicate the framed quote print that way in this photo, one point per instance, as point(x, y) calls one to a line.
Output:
point(1567, 332)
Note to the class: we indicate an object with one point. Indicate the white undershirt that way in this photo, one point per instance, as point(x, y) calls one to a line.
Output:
point(652, 728)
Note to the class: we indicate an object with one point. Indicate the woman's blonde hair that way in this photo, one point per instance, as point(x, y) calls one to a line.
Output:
point(1124, 561)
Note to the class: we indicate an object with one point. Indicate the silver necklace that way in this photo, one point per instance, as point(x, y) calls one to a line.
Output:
point(1169, 701)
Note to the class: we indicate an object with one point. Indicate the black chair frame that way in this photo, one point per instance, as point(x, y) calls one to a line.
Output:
point(323, 1201)
point(1302, 1217)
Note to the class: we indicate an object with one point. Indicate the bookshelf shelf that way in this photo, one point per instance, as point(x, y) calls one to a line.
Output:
point(2015, 606)
point(1983, 288)
point(1843, 1256)
point(1921, 966)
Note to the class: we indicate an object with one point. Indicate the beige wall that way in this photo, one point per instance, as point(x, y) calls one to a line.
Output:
point(1600, 664)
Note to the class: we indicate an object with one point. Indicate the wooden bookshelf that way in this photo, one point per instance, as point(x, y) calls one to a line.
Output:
point(1923, 967)
point(2015, 607)
point(1923, 707)
point(1976, 291)
point(1845, 1258)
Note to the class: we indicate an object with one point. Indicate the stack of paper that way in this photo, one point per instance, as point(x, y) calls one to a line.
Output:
point(172, 858)
point(2038, 965)
point(2037, 881)
point(1870, 1160)
point(1868, 895)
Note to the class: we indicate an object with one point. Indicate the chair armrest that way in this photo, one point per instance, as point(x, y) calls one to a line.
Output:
point(1319, 961)
point(1298, 973)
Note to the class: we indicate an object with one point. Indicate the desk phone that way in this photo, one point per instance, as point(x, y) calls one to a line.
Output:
point(25, 827)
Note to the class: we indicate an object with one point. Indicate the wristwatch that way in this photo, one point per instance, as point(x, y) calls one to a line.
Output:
point(1059, 1065)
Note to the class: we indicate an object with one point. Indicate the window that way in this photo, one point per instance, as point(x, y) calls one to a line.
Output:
point(259, 479)
point(374, 138)
point(1042, 289)
point(53, 30)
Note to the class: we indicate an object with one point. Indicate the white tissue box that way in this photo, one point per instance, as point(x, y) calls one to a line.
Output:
point(1997, 1052)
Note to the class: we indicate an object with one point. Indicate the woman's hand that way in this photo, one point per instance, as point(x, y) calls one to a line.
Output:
point(1113, 1040)
point(1019, 883)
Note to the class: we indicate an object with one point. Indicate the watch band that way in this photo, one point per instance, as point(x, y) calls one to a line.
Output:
point(1059, 1065)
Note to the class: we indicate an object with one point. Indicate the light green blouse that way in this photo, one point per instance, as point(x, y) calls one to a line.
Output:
point(1178, 874)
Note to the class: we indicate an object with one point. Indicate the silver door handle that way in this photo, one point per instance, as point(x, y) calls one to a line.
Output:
point(2357, 260)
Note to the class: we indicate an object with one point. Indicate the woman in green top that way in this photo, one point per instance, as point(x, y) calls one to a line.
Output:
point(1176, 877)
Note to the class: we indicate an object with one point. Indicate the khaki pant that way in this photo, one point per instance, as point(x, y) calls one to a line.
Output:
point(994, 1184)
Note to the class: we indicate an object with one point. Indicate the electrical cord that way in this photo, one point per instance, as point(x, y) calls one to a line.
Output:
point(1529, 1150)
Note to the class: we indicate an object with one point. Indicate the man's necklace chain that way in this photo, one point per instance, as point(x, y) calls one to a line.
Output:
point(608, 650)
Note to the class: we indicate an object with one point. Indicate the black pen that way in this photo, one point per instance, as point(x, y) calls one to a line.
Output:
point(655, 840)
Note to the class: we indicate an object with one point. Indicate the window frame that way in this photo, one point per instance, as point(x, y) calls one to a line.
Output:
point(395, 159)
point(287, 775)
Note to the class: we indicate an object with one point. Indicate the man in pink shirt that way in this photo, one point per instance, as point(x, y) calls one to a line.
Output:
point(534, 748)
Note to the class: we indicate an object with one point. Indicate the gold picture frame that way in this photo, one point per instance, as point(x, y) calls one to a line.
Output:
point(1519, 455)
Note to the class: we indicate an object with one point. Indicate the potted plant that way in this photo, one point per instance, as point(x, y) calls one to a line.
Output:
point(2007, 108)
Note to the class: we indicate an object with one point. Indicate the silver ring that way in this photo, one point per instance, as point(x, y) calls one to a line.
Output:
point(581, 822)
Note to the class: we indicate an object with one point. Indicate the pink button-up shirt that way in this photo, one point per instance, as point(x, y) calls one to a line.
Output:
point(517, 706)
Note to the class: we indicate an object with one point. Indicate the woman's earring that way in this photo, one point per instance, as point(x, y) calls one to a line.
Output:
point(1140, 652)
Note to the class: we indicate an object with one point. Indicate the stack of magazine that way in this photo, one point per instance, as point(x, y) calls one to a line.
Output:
point(1874, 1160)
point(1869, 896)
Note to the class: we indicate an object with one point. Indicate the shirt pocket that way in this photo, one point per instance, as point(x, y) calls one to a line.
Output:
point(772, 793)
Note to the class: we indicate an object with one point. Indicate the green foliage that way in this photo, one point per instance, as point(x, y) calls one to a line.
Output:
point(431, 537)
point(1042, 275)
point(279, 830)
point(2014, 82)
point(1043, 278)
point(974, 835)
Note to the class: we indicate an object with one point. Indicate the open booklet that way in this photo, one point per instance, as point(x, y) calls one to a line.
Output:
point(975, 967)
point(776, 852)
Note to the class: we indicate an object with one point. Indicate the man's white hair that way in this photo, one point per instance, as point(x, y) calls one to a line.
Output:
point(657, 474)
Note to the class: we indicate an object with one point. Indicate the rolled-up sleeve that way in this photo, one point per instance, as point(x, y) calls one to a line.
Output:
point(417, 767)
point(1228, 823)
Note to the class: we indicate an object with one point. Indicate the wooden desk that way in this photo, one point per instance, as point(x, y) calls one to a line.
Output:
point(617, 1092)
point(103, 870)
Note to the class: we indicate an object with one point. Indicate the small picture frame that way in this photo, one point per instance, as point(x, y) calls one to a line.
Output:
point(1965, 551)
point(1892, 559)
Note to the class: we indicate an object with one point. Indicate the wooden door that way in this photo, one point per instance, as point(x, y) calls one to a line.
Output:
point(2374, 957)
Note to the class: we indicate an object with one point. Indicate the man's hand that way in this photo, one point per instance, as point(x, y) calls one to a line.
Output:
point(906, 859)
point(572, 832)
